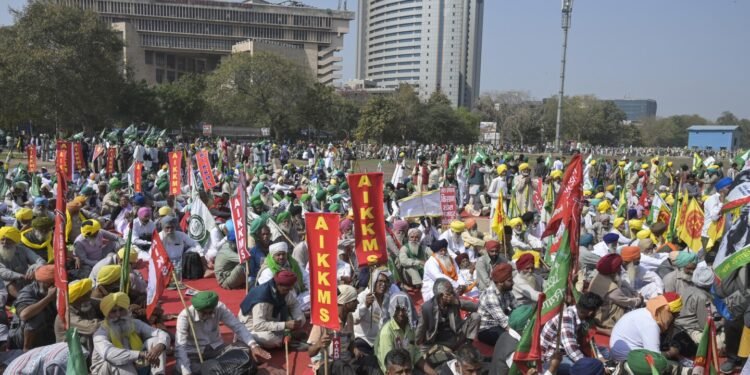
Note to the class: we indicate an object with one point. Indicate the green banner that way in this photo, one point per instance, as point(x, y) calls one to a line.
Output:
point(554, 287)
point(732, 263)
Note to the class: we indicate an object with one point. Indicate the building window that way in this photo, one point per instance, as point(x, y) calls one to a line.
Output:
point(159, 75)
point(149, 57)
point(170, 76)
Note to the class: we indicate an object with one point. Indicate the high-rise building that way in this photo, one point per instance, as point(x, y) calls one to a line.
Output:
point(637, 109)
point(167, 38)
point(430, 44)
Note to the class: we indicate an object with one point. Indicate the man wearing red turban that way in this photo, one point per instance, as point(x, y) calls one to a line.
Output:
point(618, 296)
point(495, 304)
point(527, 285)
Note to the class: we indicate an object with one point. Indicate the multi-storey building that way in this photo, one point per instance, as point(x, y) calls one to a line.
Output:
point(167, 38)
point(430, 44)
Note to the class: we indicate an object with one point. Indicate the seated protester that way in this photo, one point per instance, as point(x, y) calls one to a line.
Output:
point(412, 258)
point(488, 259)
point(123, 345)
point(646, 282)
point(48, 359)
point(394, 240)
point(33, 325)
point(230, 273)
point(642, 328)
point(288, 231)
point(84, 313)
point(650, 259)
point(39, 238)
point(350, 357)
point(372, 310)
point(693, 316)
point(397, 333)
point(116, 259)
point(441, 330)
point(620, 229)
point(124, 212)
point(573, 332)
point(143, 229)
point(505, 347)
point(107, 281)
point(680, 278)
point(207, 313)
point(176, 244)
point(278, 259)
point(524, 243)
point(262, 235)
point(218, 237)
point(495, 304)
point(23, 218)
point(441, 266)
point(608, 245)
point(467, 361)
point(41, 209)
point(111, 200)
point(667, 266)
point(270, 309)
point(17, 263)
point(527, 285)
point(301, 254)
point(472, 237)
point(586, 261)
point(452, 236)
point(618, 297)
point(92, 245)
point(346, 264)
point(397, 362)
point(73, 220)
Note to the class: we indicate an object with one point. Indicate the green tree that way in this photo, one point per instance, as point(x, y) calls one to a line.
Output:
point(378, 116)
point(62, 67)
point(137, 102)
point(260, 90)
point(727, 118)
point(182, 102)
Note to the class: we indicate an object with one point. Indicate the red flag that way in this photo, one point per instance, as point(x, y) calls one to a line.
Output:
point(369, 220)
point(138, 176)
point(175, 173)
point(159, 268)
point(643, 200)
point(568, 207)
point(322, 241)
point(529, 346)
point(64, 159)
point(31, 158)
point(204, 167)
point(237, 206)
point(98, 151)
point(60, 251)
point(111, 158)
point(78, 156)
point(537, 196)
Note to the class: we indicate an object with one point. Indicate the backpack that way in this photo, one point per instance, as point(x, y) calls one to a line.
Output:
point(192, 266)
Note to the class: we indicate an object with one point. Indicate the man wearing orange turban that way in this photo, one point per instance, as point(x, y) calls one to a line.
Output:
point(640, 278)
point(618, 296)
point(472, 239)
point(35, 311)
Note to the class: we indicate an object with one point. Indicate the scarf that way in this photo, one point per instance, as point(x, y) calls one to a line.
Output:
point(275, 268)
point(69, 225)
point(659, 309)
point(47, 244)
point(450, 273)
point(411, 255)
point(134, 340)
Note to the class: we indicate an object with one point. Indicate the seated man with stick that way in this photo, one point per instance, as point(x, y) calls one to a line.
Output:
point(201, 321)
point(123, 345)
point(270, 309)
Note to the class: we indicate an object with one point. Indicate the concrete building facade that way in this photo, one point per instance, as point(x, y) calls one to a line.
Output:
point(637, 109)
point(167, 38)
point(430, 44)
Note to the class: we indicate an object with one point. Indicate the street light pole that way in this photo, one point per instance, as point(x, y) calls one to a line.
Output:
point(567, 10)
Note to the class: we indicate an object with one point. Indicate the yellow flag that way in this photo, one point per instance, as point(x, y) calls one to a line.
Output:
point(715, 232)
point(498, 219)
point(691, 226)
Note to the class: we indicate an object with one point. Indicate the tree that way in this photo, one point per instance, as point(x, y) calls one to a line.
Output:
point(727, 118)
point(516, 114)
point(377, 117)
point(182, 102)
point(259, 90)
point(137, 102)
point(60, 66)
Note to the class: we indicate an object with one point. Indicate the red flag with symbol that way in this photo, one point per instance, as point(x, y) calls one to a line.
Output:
point(159, 268)
point(59, 248)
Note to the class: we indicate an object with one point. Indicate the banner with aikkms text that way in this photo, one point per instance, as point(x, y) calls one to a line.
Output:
point(369, 219)
point(322, 242)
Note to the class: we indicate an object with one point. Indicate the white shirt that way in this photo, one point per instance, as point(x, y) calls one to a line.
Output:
point(455, 245)
point(557, 165)
point(711, 212)
point(601, 249)
point(179, 244)
point(433, 272)
point(635, 330)
point(140, 229)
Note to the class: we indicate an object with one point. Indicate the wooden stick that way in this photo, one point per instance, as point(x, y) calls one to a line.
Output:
point(189, 319)
point(325, 361)
point(247, 280)
point(286, 351)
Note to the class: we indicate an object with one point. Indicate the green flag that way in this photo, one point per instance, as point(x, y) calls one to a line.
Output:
point(77, 136)
point(125, 270)
point(529, 350)
point(548, 161)
point(36, 186)
point(705, 357)
point(456, 159)
point(672, 227)
point(76, 359)
point(556, 285)
point(622, 205)
point(697, 162)
point(480, 156)
point(742, 159)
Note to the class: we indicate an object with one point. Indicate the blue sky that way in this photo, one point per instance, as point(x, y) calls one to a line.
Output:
point(692, 56)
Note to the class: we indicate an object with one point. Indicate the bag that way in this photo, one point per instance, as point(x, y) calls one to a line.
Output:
point(192, 266)
point(235, 360)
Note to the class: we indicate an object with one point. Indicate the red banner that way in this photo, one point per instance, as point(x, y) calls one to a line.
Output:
point(31, 158)
point(568, 207)
point(78, 156)
point(237, 206)
point(159, 268)
point(98, 151)
point(537, 196)
point(175, 173)
point(138, 176)
point(322, 242)
point(204, 167)
point(64, 159)
point(59, 248)
point(369, 220)
point(111, 159)
point(448, 205)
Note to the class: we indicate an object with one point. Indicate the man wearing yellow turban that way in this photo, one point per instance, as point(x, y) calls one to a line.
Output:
point(137, 283)
point(94, 244)
point(23, 218)
point(84, 313)
point(17, 263)
point(123, 345)
point(524, 187)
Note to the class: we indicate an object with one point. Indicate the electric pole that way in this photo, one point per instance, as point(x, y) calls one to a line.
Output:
point(567, 10)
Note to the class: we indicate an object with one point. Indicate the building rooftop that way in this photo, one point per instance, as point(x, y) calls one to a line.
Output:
point(717, 128)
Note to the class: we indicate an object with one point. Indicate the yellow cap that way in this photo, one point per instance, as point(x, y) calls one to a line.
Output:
point(11, 233)
point(610, 188)
point(78, 288)
point(516, 221)
point(644, 165)
point(618, 221)
point(643, 234)
point(593, 162)
point(523, 166)
point(458, 226)
point(604, 206)
point(24, 214)
point(108, 274)
point(132, 256)
point(635, 224)
point(587, 193)
point(165, 211)
point(502, 168)
point(90, 227)
point(621, 163)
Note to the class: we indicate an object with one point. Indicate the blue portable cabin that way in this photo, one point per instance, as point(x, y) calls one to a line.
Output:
point(714, 137)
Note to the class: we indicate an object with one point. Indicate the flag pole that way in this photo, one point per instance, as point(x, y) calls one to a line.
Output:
point(189, 319)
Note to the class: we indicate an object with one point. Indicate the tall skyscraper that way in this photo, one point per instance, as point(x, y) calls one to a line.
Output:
point(167, 38)
point(430, 44)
